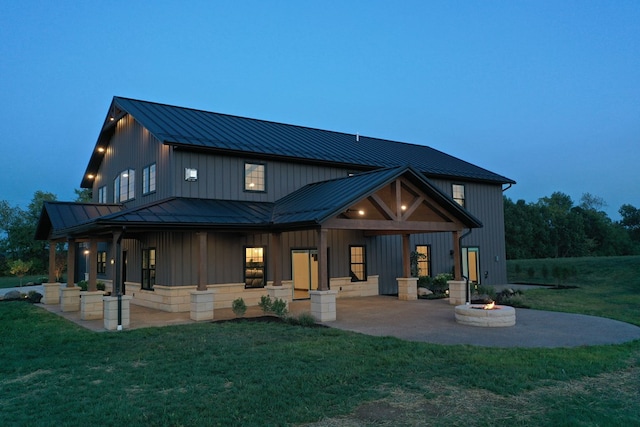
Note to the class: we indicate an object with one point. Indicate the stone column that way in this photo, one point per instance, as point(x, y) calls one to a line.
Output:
point(111, 313)
point(280, 292)
point(91, 305)
point(51, 293)
point(70, 299)
point(457, 292)
point(407, 288)
point(202, 305)
point(323, 305)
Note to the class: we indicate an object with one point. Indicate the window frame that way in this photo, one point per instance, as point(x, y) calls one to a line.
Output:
point(128, 176)
point(422, 261)
point(101, 260)
point(148, 280)
point(259, 179)
point(363, 263)
point(149, 179)
point(246, 267)
point(462, 201)
point(102, 194)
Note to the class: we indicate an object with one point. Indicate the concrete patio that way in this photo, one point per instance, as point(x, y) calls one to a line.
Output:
point(429, 321)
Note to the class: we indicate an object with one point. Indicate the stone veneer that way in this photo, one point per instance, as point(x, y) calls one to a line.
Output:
point(457, 292)
point(111, 312)
point(91, 305)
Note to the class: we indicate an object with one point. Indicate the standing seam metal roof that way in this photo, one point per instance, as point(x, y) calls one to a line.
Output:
point(202, 129)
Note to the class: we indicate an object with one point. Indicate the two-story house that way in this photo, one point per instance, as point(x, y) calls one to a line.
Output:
point(187, 200)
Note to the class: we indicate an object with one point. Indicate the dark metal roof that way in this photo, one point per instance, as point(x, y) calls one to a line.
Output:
point(213, 131)
point(309, 206)
point(59, 216)
point(320, 201)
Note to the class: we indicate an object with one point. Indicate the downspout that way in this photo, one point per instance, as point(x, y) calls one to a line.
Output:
point(508, 187)
point(460, 255)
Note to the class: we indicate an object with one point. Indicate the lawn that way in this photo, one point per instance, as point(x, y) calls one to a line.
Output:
point(13, 281)
point(56, 373)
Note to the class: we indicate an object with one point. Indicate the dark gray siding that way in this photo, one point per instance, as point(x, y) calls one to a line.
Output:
point(133, 147)
point(222, 177)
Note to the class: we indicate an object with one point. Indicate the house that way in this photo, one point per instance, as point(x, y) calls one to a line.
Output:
point(191, 205)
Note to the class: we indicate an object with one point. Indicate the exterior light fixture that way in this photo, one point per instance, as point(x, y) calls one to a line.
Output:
point(361, 212)
point(100, 149)
point(190, 174)
point(403, 207)
point(91, 176)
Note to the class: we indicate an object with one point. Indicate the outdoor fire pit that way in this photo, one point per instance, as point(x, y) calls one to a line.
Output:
point(485, 315)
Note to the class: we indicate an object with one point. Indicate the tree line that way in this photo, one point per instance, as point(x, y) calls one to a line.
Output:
point(554, 227)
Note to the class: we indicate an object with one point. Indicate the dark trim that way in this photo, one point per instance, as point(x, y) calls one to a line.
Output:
point(244, 177)
point(354, 277)
point(246, 268)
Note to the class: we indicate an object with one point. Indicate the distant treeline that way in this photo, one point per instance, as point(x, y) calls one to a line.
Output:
point(554, 227)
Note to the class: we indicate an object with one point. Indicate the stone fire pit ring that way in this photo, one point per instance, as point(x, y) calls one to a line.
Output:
point(475, 315)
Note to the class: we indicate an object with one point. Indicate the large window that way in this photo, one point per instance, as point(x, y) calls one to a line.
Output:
point(102, 194)
point(458, 193)
point(423, 261)
point(102, 262)
point(148, 268)
point(254, 271)
point(358, 263)
point(149, 179)
point(124, 186)
point(254, 177)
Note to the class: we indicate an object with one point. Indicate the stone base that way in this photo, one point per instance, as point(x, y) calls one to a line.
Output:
point(51, 293)
point(70, 299)
point(111, 313)
point(280, 292)
point(407, 288)
point(323, 305)
point(202, 305)
point(457, 292)
point(475, 315)
point(91, 305)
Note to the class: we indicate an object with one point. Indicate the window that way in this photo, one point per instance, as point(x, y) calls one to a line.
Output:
point(149, 179)
point(148, 268)
point(102, 262)
point(458, 193)
point(124, 186)
point(423, 261)
point(254, 276)
point(102, 194)
point(254, 177)
point(358, 263)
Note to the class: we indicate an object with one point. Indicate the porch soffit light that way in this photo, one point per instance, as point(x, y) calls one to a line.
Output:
point(91, 176)
point(100, 149)
point(361, 212)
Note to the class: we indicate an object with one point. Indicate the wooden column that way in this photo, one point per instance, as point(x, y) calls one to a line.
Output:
point(203, 256)
point(323, 265)
point(457, 260)
point(274, 252)
point(52, 262)
point(71, 263)
point(93, 265)
point(406, 255)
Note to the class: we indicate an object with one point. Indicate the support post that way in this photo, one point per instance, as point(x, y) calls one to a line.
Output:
point(457, 256)
point(71, 263)
point(52, 261)
point(406, 255)
point(323, 265)
point(93, 266)
point(274, 249)
point(203, 256)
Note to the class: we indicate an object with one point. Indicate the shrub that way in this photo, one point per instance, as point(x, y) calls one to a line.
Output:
point(83, 285)
point(100, 286)
point(303, 319)
point(439, 283)
point(425, 282)
point(279, 307)
point(239, 307)
point(265, 304)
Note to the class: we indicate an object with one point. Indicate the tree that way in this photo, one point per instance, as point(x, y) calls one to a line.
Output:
point(630, 221)
point(19, 268)
point(83, 195)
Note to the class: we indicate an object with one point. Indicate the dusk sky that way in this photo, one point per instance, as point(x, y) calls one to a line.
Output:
point(546, 93)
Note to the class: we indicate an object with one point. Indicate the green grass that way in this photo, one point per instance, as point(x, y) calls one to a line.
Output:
point(606, 287)
point(53, 372)
point(12, 281)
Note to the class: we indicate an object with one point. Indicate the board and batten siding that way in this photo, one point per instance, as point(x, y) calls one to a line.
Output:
point(133, 147)
point(222, 177)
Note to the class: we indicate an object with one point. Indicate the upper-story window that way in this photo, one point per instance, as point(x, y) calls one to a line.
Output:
point(458, 193)
point(149, 179)
point(124, 186)
point(254, 177)
point(102, 194)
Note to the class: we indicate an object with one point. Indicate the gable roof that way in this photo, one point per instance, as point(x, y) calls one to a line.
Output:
point(308, 207)
point(197, 129)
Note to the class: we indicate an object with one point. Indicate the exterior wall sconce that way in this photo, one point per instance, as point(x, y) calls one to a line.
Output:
point(190, 174)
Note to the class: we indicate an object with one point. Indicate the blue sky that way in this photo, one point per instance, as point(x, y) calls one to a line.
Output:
point(544, 92)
